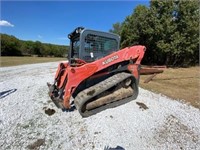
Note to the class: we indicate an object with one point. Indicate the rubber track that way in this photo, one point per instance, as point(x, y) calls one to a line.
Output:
point(85, 95)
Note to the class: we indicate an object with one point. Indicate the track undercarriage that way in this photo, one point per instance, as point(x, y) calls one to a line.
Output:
point(114, 91)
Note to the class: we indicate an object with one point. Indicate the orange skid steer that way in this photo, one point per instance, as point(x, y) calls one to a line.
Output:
point(98, 75)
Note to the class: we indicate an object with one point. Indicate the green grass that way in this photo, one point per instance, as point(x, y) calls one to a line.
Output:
point(14, 61)
point(179, 83)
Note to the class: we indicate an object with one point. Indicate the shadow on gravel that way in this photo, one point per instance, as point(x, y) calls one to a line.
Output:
point(69, 110)
point(6, 93)
point(116, 148)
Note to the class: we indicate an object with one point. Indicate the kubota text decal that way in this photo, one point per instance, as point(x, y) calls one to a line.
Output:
point(111, 59)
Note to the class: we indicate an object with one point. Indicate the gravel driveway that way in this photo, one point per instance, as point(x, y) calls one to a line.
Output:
point(29, 120)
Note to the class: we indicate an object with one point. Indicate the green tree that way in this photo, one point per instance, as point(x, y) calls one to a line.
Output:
point(169, 30)
point(45, 50)
point(116, 28)
point(136, 29)
point(10, 46)
point(38, 48)
point(178, 26)
point(27, 48)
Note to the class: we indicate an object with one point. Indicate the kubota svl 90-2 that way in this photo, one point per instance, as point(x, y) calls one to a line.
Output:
point(98, 75)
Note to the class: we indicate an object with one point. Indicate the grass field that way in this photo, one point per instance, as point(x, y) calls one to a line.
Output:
point(14, 61)
point(180, 83)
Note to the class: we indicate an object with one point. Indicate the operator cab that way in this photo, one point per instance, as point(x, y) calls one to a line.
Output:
point(89, 45)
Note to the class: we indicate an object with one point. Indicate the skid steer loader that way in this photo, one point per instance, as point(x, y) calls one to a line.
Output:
point(98, 75)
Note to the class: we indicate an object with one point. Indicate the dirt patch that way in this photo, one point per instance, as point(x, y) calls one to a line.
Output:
point(142, 106)
point(91, 92)
point(36, 144)
point(173, 130)
point(49, 111)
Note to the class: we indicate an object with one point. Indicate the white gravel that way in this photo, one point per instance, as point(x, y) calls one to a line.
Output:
point(166, 124)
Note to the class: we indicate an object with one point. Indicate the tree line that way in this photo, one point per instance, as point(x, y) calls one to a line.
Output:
point(169, 30)
point(11, 46)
